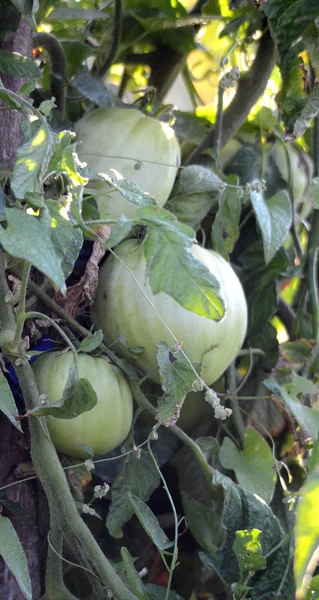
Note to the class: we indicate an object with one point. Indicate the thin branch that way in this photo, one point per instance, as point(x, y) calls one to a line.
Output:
point(117, 32)
point(249, 90)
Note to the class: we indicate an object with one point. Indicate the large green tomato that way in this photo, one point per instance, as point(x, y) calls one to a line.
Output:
point(103, 427)
point(120, 307)
point(117, 138)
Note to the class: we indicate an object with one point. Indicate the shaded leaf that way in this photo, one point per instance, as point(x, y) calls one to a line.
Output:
point(133, 576)
point(26, 238)
point(297, 351)
point(66, 239)
point(157, 592)
point(177, 380)
point(119, 231)
point(313, 460)
point(91, 88)
point(308, 113)
point(70, 14)
point(194, 194)
point(13, 555)
point(274, 218)
point(307, 418)
point(253, 465)
point(225, 231)
point(203, 523)
point(77, 399)
point(10, 19)
point(7, 402)
point(91, 342)
point(138, 477)
point(150, 523)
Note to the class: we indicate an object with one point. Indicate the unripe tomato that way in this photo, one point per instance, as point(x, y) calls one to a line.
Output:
point(103, 427)
point(120, 307)
point(117, 138)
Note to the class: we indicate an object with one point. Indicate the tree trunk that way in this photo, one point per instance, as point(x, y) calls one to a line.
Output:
point(13, 445)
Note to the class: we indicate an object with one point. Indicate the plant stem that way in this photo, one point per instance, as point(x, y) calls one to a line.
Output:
point(37, 315)
point(142, 401)
point(21, 307)
point(117, 31)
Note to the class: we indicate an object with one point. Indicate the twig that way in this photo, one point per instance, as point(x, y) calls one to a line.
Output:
point(117, 32)
point(250, 88)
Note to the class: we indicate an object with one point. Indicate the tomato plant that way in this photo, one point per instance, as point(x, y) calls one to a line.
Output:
point(123, 139)
point(159, 227)
point(103, 427)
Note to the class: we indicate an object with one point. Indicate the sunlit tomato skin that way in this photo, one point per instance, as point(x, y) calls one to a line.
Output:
point(140, 148)
point(120, 307)
point(103, 427)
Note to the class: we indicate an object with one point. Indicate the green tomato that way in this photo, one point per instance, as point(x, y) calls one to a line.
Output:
point(120, 307)
point(103, 427)
point(117, 138)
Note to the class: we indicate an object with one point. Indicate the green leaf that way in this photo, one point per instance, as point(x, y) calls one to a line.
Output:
point(307, 418)
point(177, 380)
point(313, 460)
point(70, 14)
point(150, 523)
point(306, 531)
point(91, 88)
point(33, 158)
point(158, 24)
point(14, 556)
point(77, 399)
point(66, 239)
point(203, 523)
point(7, 402)
point(253, 465)
point(248, 550)
point(313, 193)
point(194, 194)
point(209, 447)
point(225, 231)
point(91, 342)
point(16, 65)
point(129, 190)
point(157, 592)
point(296, 352)
point(25, 7)
point(308, 113)
point(172, 267)
point(35, 200)
point(119, 232)
point(274, 218)
point(138, 477)
point(26, 238)
point(133, 576)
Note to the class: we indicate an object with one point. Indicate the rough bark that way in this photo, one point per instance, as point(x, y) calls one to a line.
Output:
point(10, 119)
point(13, 445)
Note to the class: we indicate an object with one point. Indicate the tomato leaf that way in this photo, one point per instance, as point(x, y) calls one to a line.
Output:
point(225, 231)
point(119, 232)
point(248, 550)
point(25, 237)
point(274, 218)
point(133, 575)
point(157, 592)
point(138, 477)
point(194, 194)
point(77, 399)
point(91, 342)
point(308, 418)
point(313, 460)
point(177, 380)
point(172, 267)
point(17, 65)
point(14, 556)
point(69, 14)
point(7, 402)
point(253, 465)
point(306, 531)
point(66, 239)
point(203, 524)
point(129, 190)
point(33, 158)
point(150, 523)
